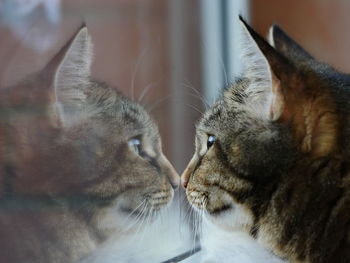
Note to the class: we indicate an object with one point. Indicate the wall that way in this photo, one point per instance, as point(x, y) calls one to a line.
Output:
point(320, 26)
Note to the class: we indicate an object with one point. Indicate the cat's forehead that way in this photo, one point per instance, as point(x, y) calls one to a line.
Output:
point(132, 113)
point(125, 117)
point(135, 117)
point(213, 117)
point(228, 111)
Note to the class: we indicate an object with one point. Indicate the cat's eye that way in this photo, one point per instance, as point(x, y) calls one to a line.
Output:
point(135, 145)
point(210, 141)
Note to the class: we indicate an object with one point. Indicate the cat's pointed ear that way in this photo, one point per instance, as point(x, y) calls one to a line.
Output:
point(71, 79)
point(265, 69)
point(284, 44)
point(280, 91)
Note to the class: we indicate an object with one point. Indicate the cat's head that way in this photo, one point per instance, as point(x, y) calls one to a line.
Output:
point(282, 110)
point(86, 142)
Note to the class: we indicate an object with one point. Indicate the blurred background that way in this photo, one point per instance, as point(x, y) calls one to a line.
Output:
point(172, 55)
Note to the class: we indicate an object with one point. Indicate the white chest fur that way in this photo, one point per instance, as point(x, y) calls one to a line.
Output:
point(160, 240)
point(223, 246)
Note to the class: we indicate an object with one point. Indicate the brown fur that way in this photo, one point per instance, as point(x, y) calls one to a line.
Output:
point(279, 166)
point(69, 177)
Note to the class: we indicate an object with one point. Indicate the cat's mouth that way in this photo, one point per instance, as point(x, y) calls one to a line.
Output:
point(197, 199)
point(201, 201)
point(159, 200)
point(130, 212)
point(219, 210)
point(152, 203)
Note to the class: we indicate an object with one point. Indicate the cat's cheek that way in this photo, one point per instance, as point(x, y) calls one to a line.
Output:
point(107, 220)
point(120, 215)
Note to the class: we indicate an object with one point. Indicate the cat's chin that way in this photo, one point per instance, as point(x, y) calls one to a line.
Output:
point(122, 218)
point(220, 210)
point(233, 217)
point(128, 211)
point(132, 211)
point(150, 207)
point(201, 201)
point(135, 213)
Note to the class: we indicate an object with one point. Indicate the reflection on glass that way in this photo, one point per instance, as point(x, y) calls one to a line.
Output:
point(33, 21)
point(83, 176)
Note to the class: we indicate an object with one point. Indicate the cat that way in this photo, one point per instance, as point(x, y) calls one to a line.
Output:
point(80, 164)
point(272, 154)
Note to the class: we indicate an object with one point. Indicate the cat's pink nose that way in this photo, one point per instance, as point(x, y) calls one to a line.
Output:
point(170, 172)
point(174, 179)
point(185, 177)
point(184, 182)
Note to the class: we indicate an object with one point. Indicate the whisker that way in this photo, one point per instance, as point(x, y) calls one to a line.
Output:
point(147, 89)
point(157, 103)
point(193, 107)
point(140, 227)
point(197, 225)
point(170, 95)
point(190, 85)
point(188, 211)
point(146, 222)
point(194, 222)
point(196, 97)
point(133, 211)
point(138, 217)
point(221, 64)
point(199, 95)
point(134, 73)
point(141, 218)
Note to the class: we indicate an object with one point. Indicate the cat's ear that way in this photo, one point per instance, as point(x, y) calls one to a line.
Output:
point(281, 92)
point(71, 79)
point(266, 69)
point(284, 44)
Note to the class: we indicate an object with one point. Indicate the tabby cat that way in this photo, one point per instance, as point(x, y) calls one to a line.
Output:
point(78, 162)
point(272, 154)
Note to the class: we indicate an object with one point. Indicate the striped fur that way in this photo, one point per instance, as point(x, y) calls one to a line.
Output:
point(288, 172)
point(69, 179)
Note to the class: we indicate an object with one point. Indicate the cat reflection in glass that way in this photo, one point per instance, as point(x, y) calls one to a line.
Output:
point(81, 166)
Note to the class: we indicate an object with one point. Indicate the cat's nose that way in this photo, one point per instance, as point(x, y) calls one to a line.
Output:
point(174, 178)
point(170, 172)
point(188, 171)
point(185, 176)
